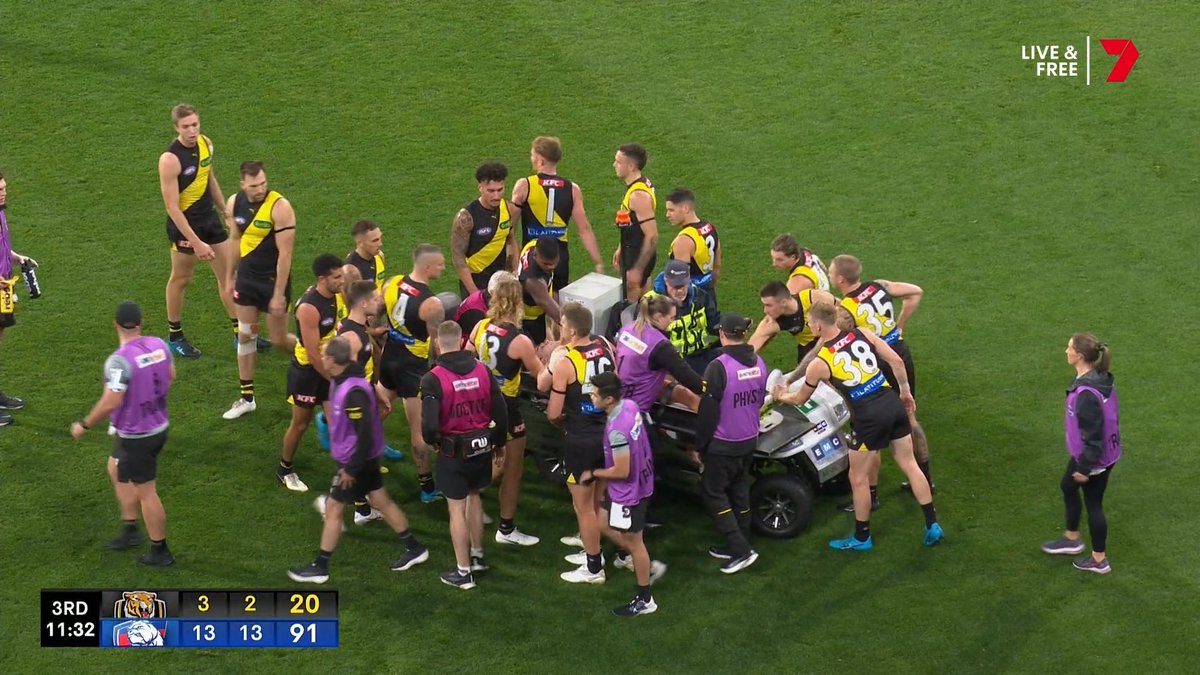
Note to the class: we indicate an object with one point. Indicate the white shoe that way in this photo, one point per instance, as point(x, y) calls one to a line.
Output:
point(516, 537)
point(572, 540)
point(240, 407)
point(319, 504)
point(625, 563)
point(581, 575)
point(292, 482)
point(657, 570)
point(360, 519)
point(487, 520)
point(112, 431)
point(580, 559)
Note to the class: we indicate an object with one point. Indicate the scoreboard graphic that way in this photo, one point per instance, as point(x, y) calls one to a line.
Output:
point(203, 619)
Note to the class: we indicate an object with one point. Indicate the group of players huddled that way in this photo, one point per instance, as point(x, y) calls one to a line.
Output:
point(365, 339)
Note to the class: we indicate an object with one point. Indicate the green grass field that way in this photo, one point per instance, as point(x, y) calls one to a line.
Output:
point(909, 134)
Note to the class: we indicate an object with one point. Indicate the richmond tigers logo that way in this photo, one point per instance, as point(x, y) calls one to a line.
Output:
point(140, 605)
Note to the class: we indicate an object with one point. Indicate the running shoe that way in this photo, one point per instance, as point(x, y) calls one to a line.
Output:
point(411, 559)
point(516, 538)
point(126, 540)
point(581, 575)
point(364, 518)
point(1063, 546)
point(934, 534)
point(571, 540)
point(240, 407)
point(309, 574)
point(5, 419)
point(478, 565)
point(292, 482)
point(157, 558)
point(852, 544)
point(1089, 564)
point(636, 607)
point(430, 497)
point(11, 402)
point(457, 579)
point(322, 431)
point(734, 566)
point(392, 454)
point(184, 349)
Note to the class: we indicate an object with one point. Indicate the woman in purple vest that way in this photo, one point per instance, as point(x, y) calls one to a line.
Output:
point(645, 356)
point(1094, 444)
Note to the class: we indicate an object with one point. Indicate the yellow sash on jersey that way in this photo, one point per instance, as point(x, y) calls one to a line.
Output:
point(534, 311)
point(853, 365)
point(261, 226)
point(339, 313)
point(624, 219)
point(703, 257)
point(494, 248)
point(805, 336)
point(541, 205)
point(487, 346)
point(380, 269)
point(194, 191)
point(396, 304)
point(815, 273)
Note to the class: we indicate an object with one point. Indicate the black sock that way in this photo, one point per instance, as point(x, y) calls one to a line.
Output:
point(507, 526)
point(322, 560)
point(930, 514)
point(175, 330)
point(158, 545)
point(410, 542)
point(362, 508)
point(862, 530)
point(426, 481)
point(643, 593)
point(234, 322)
point(594, 563)
point(924, 467)
point(247, 390)
point(285, 467)
point(874, 494)
point(622, 553)
point(129, 526)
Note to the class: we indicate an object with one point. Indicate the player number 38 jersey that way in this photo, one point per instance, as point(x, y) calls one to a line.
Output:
point(853, 366)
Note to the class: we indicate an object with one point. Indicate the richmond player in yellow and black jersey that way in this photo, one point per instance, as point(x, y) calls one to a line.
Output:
point(549, 204)
point(499, 343)
point(637, 252)
point(697, 243)
point(194, 229)
point(413, 313)
point(481, 237)
point(568, 378)
point(367, 256)
point(804, 268)
point(318, 312)
point(785, 312)
point(264, 230)
point(850, 361)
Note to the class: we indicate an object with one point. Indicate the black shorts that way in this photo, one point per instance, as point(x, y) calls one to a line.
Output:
point(516, 421)
point(137, 458)
point(250, 290)
point(366, 481)
point(585, 452)
point(469, 320)
point(305, 387)
point(457, 477)
point(636, 514)
point(401, 372)
point(535, 329)
point(878, 422)
point(208, 228)
point(901, 348)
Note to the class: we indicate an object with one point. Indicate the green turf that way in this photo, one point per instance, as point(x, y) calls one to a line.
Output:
point(911, 135)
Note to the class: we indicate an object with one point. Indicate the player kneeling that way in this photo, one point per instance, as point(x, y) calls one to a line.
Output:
point(356, 444)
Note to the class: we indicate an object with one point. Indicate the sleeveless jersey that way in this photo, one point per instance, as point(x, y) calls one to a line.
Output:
point(371, 270)
point(403, 299)
point(330, 310)
point(194, 167)
point(363, 358)
point(871, 306)
point(529, 269)
point(343, 437)
point(625, 423)
point(796, 324)
point(810, 267)
point(489, 231)
point(853, 366)
point(547, 210)
point(628, 225)
point(643, 386)
point(588, 360)
point(492, 341)
point(466, 408)
point(259, 254)
point(745, 390)
point(143, 410)
point(1110, 408)
point(704, 236)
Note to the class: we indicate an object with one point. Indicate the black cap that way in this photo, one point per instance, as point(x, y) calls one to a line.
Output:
point(734, 325)
point(677, 274)
point(129, 315)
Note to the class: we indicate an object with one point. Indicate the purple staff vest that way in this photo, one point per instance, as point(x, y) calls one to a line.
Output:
point(643, 386)
point(745, 389)
point(143, 411)
point(640, 483)
point(343, 437)
point(1111, 451)
point(466, 400)
point(6, 269)
point(473, 302)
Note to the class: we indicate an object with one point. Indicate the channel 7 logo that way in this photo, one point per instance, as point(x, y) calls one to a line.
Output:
point(1128, 55)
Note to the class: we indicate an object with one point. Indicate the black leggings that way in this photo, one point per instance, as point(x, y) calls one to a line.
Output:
point(1093, 498)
